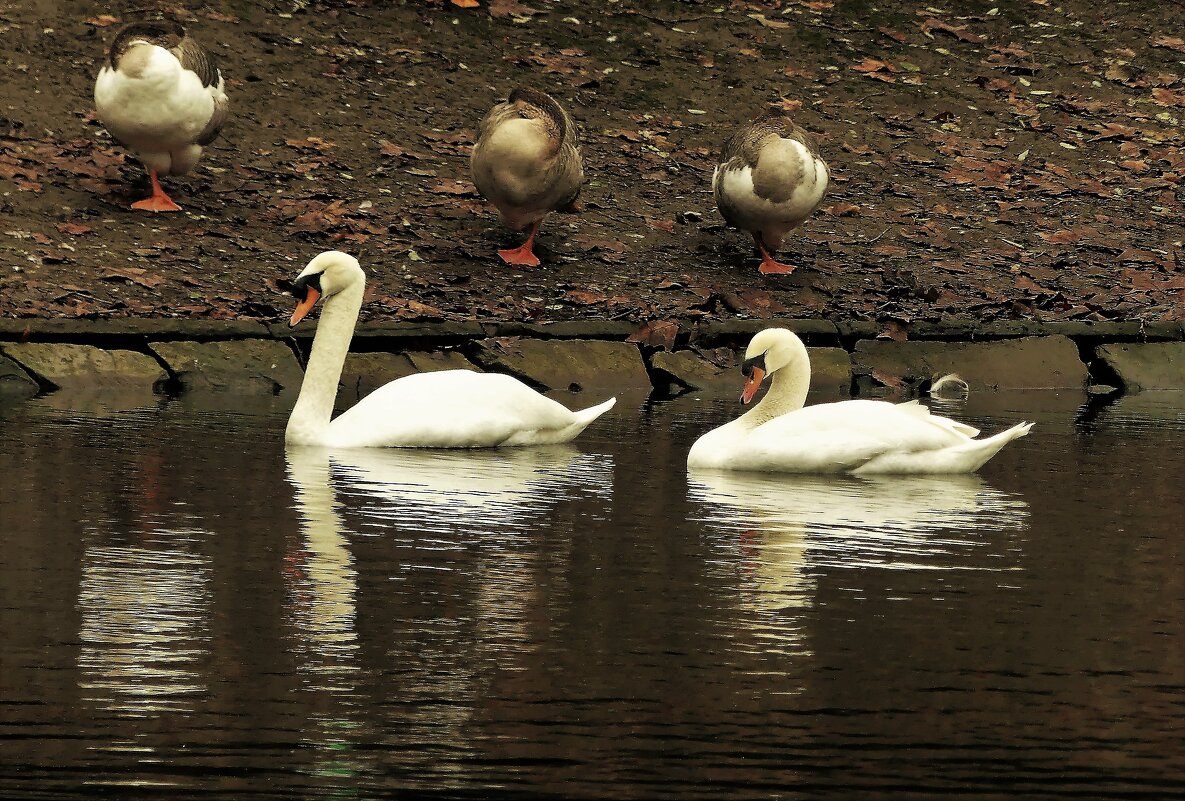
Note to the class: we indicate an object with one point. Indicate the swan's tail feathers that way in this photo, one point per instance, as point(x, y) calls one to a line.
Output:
point(583, 418)
point(985, 449)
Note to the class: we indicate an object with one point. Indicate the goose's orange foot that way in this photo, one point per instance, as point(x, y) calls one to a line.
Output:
point(523, 255)
point(771, 266)
point(161, 202)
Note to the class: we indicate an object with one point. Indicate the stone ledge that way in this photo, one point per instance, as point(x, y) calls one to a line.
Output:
point(15, 382)
point(143, 327)
point(253, 367)
point(565, 364)
point(1141, 366)
point(85, 366)
point(254, 357)
point(1048, 362)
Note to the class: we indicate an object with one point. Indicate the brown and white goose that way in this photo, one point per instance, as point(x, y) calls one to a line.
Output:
point(769, 179)
point(160, 94)
point(527, 163)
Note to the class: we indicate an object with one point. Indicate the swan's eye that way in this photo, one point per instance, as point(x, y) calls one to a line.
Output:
point(748, 365)
point(300, 287)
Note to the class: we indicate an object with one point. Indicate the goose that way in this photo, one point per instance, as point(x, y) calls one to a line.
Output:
point(160, 94)
point(526, 161)
point(769, 179)
point(446, 409)
point(857, 436)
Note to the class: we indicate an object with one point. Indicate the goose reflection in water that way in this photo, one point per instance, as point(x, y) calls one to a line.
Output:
point(778, 526)
point(145, 612)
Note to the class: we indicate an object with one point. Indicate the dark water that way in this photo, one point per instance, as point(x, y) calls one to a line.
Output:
point(188, 612)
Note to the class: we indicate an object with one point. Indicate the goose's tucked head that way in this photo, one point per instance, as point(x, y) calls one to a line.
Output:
point(769, 351)
point(135, 45)
point(326, 275)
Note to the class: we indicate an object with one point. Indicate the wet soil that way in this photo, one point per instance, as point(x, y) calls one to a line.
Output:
point(1020, 159)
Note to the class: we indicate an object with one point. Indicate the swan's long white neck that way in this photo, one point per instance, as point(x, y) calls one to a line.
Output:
point(788, 387)
point(309, 421)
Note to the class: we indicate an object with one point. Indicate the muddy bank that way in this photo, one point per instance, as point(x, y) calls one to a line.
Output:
point(1021, 161)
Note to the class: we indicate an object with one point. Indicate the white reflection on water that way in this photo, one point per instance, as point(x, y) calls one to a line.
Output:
point(145, 614)
point(881, 521)
point(437, 513)
point(476, 491)
point(322, 590)
point(489, 501)
point(780, 524)
point(322, 582)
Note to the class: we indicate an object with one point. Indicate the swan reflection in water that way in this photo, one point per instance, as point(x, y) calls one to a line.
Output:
point(471, 491)
point(463, 516)
point(321, 578)
point(321, 585)
point(477, 511)
point(778, 525)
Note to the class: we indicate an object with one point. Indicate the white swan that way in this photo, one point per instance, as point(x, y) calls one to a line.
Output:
point(447, 409)
point(857, 436)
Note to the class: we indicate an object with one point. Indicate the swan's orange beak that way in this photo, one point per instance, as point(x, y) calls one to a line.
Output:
point(305, 306)
point(752, 384)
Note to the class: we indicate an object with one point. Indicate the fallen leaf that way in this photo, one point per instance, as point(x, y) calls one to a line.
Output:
point(388, 149)
point(769, 23)
point(136, 275)
point(894, 330)
point(962, 34)
point(454, 188)
point(888, 379)
point(1168, 97)
point(843, 210)
point(465, 3)
point(583, 298)
point(73, 229)
point(511, 8)
point(1171, 42)
point(656, 333)
point(101, 21)
point(1067, 236)
point(311, 143)
point(877, 69)
point(795, 71)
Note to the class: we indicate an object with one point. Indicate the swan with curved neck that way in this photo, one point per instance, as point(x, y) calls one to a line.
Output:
point(781, 435)
point(446, 409)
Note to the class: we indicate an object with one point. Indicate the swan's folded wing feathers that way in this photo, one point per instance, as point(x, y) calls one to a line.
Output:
point(451, 408)
point(842, 436)
point(813, 452)
point(915, 408)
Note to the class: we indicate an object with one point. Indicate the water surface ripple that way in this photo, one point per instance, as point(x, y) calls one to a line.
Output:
point(189, 610)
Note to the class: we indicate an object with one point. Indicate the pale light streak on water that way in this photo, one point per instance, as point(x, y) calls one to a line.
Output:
point(188, 610)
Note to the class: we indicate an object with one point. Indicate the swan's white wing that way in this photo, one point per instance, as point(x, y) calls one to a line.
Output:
point(449, 409)
point(840, 437)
